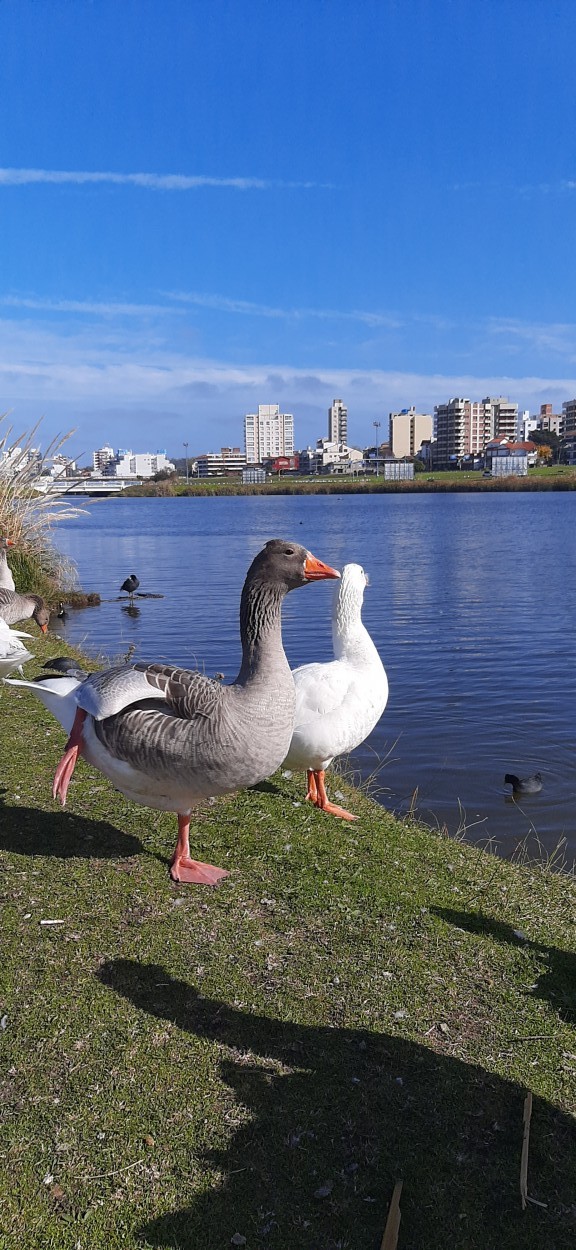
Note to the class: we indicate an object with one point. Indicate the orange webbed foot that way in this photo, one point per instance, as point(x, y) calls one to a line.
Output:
point(323, 802)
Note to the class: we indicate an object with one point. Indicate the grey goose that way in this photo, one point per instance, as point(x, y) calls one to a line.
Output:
point(20, 607)
point(168, 737)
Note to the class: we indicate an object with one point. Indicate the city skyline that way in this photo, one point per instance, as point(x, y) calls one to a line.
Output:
point(174, 257)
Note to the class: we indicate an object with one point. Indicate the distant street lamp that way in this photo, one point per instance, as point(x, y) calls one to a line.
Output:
point(377, 425)
point(185, 446)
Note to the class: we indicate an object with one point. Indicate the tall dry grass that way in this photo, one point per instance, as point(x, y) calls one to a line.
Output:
point(29, 518)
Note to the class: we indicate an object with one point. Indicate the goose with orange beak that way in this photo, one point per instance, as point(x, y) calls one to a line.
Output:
point(15, 607)
point(168, 737)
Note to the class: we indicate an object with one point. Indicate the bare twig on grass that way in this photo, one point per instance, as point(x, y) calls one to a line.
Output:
point(390, 1238)
point(525, 1149)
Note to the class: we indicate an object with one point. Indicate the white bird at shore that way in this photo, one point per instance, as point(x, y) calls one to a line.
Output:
point(338, 703)
point(12, 652)
point(6, 579)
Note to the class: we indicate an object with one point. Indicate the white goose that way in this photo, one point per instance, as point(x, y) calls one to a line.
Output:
point(167, 737)
point(13, 653)
point(338, 703)
point(6, 579)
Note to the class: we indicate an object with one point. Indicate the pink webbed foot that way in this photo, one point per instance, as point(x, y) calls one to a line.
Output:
point(183, 868)
point(68, 761)
point(191, 870)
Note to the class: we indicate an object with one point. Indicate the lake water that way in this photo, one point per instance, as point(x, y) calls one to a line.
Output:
point(472, 605)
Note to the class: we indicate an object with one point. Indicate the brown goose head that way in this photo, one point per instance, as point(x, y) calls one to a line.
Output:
point(287, 565)
point(41, 613)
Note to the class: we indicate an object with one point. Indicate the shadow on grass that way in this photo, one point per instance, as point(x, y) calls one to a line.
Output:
point(31, 831)
point(556, 986)
point(337, 1115)
point(268, 787)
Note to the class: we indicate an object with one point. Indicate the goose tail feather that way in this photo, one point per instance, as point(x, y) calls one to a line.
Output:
point(56, 693)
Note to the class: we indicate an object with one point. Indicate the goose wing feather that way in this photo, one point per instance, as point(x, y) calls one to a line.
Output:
point(11, 609)
point(321, 689)
point(185, 692)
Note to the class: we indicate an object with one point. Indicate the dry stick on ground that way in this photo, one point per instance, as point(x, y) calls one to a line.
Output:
point(525, 1147)
point(390, 1238)
point(524, 1160)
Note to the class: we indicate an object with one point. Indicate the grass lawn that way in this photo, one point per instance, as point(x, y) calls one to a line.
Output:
point(186, 1067)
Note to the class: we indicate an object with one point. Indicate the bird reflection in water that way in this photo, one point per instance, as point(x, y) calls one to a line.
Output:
point(131, 610)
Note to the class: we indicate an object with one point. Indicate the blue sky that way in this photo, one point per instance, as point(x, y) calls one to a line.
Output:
point(206, 205)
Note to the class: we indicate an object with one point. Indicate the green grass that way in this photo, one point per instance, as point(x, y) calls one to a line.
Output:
point(557, 477)
point(352, 1005)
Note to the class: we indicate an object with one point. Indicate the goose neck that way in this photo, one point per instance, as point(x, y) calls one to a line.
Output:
point(261, 630)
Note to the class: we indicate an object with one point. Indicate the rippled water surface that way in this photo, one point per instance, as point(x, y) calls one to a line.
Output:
point(471, 604)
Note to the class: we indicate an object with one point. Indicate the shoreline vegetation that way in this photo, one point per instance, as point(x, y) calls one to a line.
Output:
point(260, 1063)
point(558, 478)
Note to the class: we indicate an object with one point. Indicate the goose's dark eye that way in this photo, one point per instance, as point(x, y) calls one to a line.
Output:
point(288, 551)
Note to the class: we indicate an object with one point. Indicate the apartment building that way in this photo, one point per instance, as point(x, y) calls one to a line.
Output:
point(125, 463)
point(219, 463)
point(268, 433)
point(568, 424)
point(101, 458)
point(337, 422)
point(549, 420)
point(464, 426)
point(408, 430)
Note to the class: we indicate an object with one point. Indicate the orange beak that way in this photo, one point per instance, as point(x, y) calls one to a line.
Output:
point(44, 629)
point(315, 570)
point(9, 542)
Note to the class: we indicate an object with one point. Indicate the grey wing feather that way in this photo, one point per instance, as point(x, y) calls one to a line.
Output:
point(186, 693)
point(111, 691)
point(10, 606)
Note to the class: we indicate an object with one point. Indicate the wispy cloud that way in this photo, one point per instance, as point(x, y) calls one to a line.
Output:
point(150, 181)
point(221, 303)
point(556, 337)
point(100, 309)
point(48, 367)
point(560, 187)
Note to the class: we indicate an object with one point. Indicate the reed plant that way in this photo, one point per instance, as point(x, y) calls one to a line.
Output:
point(28, 517)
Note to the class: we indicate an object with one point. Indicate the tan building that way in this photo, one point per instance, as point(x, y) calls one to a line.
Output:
point(408, 430)
point(549, 420)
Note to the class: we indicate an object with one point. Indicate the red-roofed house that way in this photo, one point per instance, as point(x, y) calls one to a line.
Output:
point(508, 458)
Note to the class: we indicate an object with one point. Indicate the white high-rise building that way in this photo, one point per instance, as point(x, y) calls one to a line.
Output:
point(268, 433)
point(101, 458)
point(337, 422)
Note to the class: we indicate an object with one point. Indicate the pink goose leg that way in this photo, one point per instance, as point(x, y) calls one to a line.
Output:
point(183, 868)
point(68, 762)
